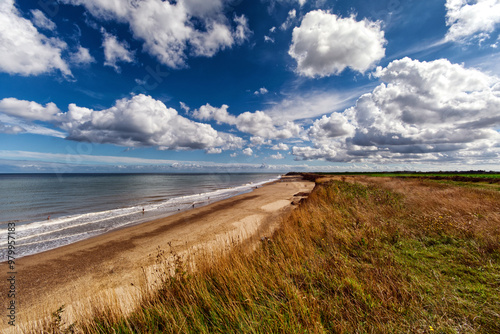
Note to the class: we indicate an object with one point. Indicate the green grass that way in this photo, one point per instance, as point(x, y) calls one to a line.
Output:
point(489, 175)
point(453, 273)
point(353, 259)
point(487, 180)
point(444, 175)
point(465, 184)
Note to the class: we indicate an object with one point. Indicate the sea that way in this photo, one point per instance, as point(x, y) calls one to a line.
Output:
point(53, 210)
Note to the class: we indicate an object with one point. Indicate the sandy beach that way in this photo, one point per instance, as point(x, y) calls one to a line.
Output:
point(116, 264)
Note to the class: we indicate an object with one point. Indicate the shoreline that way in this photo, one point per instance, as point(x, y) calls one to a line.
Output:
point(115, 263)
point(114, 218)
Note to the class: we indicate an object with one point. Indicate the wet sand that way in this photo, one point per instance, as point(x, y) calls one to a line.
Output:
point(113, 266)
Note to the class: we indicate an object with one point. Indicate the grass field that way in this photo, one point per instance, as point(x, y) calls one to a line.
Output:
point(470, 175)
point(490, 180)
point(361, 255)
point(486, 175)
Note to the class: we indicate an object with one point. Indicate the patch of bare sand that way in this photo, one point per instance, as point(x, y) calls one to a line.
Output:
point(276, 205)
point(115, 267)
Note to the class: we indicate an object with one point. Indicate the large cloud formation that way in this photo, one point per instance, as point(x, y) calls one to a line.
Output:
point(143, 121)
point(171, 30)
point(24, 50)
point(325, 44)
point(424, 111)
point(138, 121)
point(467, 18)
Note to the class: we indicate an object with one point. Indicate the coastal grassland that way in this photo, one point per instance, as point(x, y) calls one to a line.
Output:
point(472, 179)
point(471, 174)
point(361, 255)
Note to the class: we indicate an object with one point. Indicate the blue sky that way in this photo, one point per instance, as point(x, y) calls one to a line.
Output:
point(235, 85)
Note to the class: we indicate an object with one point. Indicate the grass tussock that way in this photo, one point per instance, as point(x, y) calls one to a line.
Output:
point(373, 256)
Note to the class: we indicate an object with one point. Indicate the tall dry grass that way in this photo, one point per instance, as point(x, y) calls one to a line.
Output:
point(370, 256)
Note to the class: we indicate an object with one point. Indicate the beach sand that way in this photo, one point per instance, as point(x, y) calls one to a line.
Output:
point(117, 265)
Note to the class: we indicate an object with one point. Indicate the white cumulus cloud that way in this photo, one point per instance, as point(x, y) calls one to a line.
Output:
point(261, 91)
point(280, 147)
point(82, 56)
point(332, 152)
point(214, 150)
point(115, 51)
point(256, 123)
point(336, 125)
point(24, 50)
point(258, 141)
point(277, 156)
point(248, 151)
point(220, 115)
point(139, 121)
point(28, 109)
point(325, 44)
point(143, 121)
point(172, 30)
point(469, 18)
point(423, 111)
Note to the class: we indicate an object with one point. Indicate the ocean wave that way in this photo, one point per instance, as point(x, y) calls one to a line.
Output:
point(39, 236)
